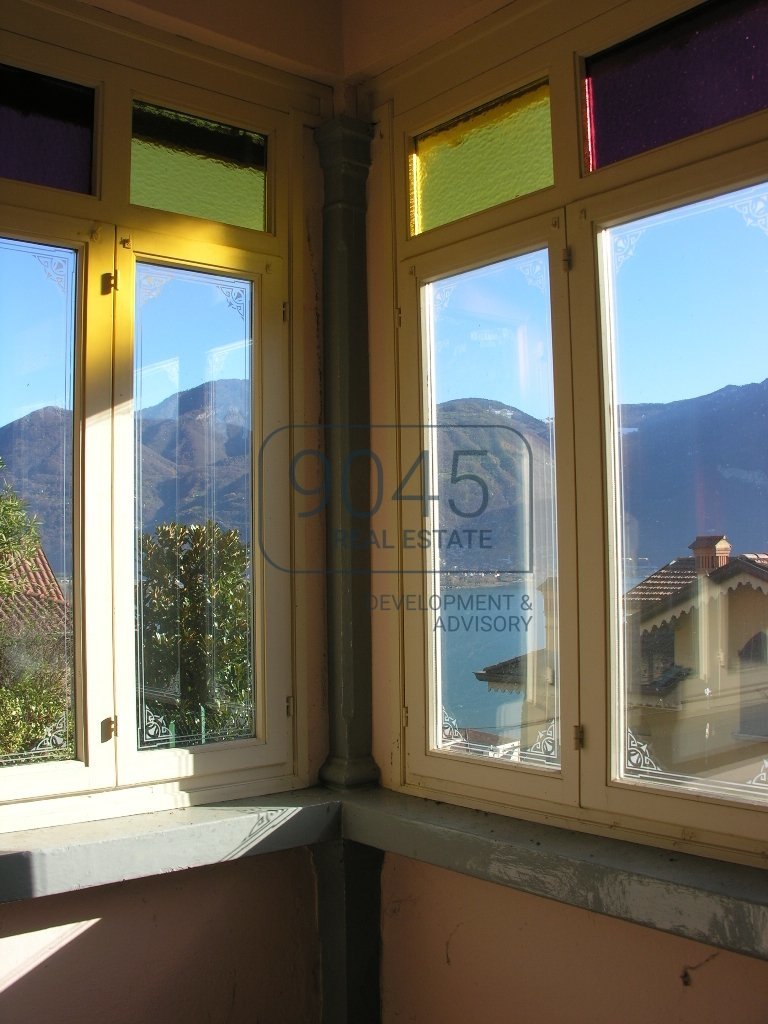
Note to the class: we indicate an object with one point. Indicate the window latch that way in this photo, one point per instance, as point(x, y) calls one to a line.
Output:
point(108, 283)
point(108, 729)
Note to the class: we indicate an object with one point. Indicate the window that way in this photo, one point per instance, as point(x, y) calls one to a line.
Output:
point(687, 454)
point(589, 394)
point(39, 286)
point(493, 516)
point(694, 72)
point(199, 167)
point(510, 139)
point(147, 652)
point(47, 129)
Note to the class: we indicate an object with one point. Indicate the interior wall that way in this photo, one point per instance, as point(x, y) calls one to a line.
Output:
point(302, 36)
point(378, 36)
point(328, 41)
point(458, 949)
point(234, 943)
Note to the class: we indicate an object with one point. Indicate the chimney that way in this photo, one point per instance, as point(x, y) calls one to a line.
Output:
point(710, 551)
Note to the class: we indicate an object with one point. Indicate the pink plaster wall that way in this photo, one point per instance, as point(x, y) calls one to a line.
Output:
point(235, 943)
point(303, 36)
point(456, 949)
point(379, 35)
point(329, 40)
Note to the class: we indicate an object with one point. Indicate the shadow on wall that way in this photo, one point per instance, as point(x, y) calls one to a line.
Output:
point(233, 942)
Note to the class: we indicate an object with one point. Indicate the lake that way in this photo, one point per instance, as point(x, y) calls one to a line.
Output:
point(476, 627)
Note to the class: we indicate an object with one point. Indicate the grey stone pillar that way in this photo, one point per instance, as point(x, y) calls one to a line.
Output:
point(348, 878)
point(344, 145)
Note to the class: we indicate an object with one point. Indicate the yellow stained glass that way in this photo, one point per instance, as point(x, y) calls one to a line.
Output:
point(496, 153)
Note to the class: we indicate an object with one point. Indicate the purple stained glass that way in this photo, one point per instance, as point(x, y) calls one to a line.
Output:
point(46, 130)
point(692, 73)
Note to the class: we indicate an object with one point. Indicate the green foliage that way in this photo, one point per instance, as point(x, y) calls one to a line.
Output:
point(34, 664)
point(30, 709)
point(35, 669)
point(195, 607)
point(18, 536)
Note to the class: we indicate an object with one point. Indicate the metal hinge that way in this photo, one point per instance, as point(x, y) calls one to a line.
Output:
point(289, 707)
point(286, 312)
point(398, 317)
point(108, 283)
point(404, 718)
point(567, 258)
point(108, 729)
point(578, 737)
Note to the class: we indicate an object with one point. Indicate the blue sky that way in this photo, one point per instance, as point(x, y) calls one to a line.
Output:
point(192, 327)
point(689, 299)
point(689, 316)
point(36, 336)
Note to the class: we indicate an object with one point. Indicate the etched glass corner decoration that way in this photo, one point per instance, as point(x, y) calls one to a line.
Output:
point(689, 406)
point(489, 514)
point(193, 551)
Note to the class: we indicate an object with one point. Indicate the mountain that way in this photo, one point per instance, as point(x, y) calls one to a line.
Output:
point(695, 466)
point(37, 449)
point(195, 457)
point(495, 469)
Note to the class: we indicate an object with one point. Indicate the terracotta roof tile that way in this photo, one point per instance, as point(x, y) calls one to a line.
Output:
point(38, 601)
point(666, 582)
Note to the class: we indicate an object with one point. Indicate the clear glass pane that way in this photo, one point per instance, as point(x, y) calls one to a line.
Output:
point(487, 157)
point(686, 329)
point(193, 507)
point(694, 72)
point(201, 168)
point(490, 513)
point(47, 130)
point(38, 286)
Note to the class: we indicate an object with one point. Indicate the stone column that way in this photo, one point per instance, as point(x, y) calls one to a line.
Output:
point(344, 145)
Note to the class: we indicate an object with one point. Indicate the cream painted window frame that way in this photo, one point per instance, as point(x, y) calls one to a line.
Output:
point(109, 777)
point(426, 766)
point(509, 51)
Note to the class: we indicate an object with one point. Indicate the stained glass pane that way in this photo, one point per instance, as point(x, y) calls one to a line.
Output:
point(46, 127)
point(192, 398)
point(490, 509)
point(491, 155)
point(690, 409)
point(201, 168)
point(689, 74)
point(37, 329)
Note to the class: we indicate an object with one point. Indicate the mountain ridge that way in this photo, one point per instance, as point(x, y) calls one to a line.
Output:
point(695, 465)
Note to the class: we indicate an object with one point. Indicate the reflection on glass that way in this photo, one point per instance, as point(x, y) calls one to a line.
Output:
point(198, 167)
point(192, 394)
point(490, 513)
point(489, 156)
point(686, 334)
point(37, 335)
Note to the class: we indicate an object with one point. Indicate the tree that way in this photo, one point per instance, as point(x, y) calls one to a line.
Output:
point(19, 536)
point(195, 607)
point(35, 658)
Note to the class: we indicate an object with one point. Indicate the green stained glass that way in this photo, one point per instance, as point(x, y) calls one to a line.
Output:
point(496, 153)
point(200, 168)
